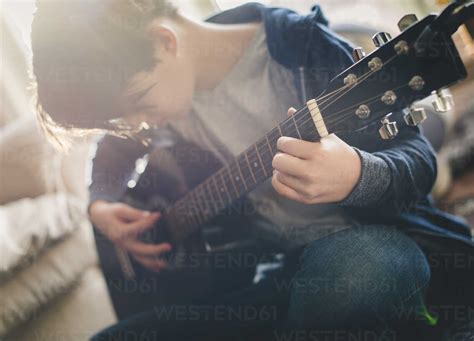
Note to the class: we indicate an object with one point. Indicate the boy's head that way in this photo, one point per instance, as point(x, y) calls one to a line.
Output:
point(96, 61)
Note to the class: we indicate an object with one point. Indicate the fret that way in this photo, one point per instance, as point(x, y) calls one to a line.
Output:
point(198, 209)
point(210, 197)
point(260, 160)
point(240, 178)
point(206, 199)
point(289, 129)
point(222, 185)
point(296, 126)
point(215, 188)
point(255, 165)
point(197, 204)
point(230, 177)
point(191, 217)
point(306, 127)
point(247, 170)
point(266, 156)
point(279, 129)
point(183, 209)
point(273, 137)
point(237, 180)
point(269, 146)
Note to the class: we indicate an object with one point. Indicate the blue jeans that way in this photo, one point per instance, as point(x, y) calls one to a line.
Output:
point(363, 278)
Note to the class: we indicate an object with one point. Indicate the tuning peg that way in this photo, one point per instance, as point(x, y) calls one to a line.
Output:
point(358, 53)
point(388, 130)
point(406, 21)
point(415, 116)
point(381, 38)
point(443, 101)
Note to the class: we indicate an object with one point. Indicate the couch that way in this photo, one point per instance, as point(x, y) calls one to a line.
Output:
point(51, 287)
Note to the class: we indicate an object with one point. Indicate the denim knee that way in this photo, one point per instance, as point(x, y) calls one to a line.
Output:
point(358, 277)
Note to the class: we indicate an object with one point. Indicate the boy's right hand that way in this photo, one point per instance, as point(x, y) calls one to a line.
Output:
point(122, 224)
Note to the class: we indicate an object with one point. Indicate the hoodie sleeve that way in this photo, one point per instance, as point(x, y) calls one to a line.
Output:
point(397, 173)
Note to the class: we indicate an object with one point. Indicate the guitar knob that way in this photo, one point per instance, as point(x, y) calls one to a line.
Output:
point(358, 53)
point(443, 101)
point(388, 130)
point(415, 116)
point(381, 38)
point(406, 21)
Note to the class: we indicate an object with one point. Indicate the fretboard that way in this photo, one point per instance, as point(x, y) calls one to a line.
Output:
point(249, 169)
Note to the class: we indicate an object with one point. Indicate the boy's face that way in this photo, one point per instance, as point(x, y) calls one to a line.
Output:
point(164, 93)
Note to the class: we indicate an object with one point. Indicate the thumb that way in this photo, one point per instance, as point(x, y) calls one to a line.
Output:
point(291, 111)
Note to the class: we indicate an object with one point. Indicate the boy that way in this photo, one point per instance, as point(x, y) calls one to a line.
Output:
point(222, 84)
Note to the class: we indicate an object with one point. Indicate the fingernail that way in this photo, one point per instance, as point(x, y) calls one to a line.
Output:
point(146, 213)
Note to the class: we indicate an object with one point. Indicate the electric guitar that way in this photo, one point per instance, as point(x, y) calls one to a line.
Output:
point(193, 189)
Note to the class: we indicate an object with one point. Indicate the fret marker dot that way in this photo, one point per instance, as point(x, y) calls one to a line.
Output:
point(255, 164)
point(237, 178)
point(222, 189)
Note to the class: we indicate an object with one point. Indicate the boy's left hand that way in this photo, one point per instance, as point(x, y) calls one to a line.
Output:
point(315, 172)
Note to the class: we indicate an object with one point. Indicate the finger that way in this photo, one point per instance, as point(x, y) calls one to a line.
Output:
point(146, 250)
point(296, 147)
point(130, 213)
point(145, 223)
point(293, 182)
point(286, 191)
point(289, 164)
point(291, 111)
point(156, 265)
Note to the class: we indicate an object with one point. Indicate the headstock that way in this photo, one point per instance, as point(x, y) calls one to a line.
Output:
point(391, 79)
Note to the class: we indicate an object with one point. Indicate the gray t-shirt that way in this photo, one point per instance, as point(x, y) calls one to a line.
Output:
point(251, 100)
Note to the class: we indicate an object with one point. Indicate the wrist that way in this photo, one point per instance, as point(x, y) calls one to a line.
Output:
point(374, 179)
point(355, 171)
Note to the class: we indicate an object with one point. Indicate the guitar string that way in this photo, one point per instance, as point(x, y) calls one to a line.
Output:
point(327, 119)
point(252, 155)
point(204, 213)
point(368, 101)
point(306, 110)
point(349, 110)
point(259, 172)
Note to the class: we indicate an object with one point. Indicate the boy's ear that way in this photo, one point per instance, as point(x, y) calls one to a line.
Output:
point(166, 38)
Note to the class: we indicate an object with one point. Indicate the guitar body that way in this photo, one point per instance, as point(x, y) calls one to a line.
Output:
point(172, 171)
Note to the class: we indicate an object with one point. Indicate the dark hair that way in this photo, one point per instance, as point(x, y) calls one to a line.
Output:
point(84, 52)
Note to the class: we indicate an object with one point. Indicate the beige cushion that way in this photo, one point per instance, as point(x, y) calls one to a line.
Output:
point(28, 226)
point(74, 168)
point(52, 274)
point(15, 96)
point(27, 162)
point(30, 166)
point(76, 316)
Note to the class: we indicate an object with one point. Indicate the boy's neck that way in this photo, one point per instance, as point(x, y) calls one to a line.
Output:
point(216, 49)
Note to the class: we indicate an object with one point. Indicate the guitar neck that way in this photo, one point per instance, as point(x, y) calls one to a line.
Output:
point(240, 176)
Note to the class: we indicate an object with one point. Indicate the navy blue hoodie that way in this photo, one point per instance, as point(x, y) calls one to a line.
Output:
point(305, 45)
